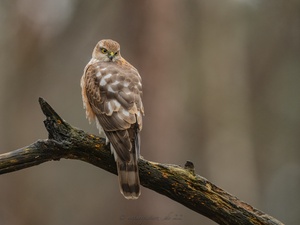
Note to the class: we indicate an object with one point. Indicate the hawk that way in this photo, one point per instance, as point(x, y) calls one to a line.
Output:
point(111, 93)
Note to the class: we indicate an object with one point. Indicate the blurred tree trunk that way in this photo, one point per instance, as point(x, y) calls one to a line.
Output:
point(275, 70)
point(220, 93)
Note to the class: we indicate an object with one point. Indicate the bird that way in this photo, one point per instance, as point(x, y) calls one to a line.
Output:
point(111, 91)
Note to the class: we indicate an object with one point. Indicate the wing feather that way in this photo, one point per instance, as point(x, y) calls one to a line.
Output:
point(114, 98)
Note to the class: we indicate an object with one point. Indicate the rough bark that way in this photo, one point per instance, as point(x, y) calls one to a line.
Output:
point(180, 184)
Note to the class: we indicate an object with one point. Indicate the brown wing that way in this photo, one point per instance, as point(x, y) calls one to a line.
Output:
point(114, 93)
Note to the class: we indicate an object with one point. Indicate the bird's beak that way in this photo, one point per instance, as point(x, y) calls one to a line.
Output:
point(111, 55)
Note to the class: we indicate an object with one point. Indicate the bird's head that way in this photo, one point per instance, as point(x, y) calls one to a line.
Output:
point(107, 50)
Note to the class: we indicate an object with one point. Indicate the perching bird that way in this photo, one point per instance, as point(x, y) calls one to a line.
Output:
point(111, 93)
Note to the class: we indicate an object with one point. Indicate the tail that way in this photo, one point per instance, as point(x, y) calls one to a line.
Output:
point(128, 173)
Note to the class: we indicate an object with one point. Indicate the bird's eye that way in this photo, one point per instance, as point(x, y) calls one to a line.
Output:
point(103, 50)
point(117, 53)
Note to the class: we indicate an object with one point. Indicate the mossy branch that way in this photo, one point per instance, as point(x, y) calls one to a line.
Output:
point(180, 184)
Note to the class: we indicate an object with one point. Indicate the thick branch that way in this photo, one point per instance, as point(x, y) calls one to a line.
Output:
point(180, 184)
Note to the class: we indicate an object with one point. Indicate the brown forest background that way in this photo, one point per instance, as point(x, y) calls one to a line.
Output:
point(221, 86)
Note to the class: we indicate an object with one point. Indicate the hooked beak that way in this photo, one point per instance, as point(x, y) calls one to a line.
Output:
point(111, 55)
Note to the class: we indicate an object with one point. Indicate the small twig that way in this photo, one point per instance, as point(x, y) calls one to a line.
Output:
point(180, 184)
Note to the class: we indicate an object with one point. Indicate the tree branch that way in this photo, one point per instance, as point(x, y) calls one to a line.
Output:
point(180, 184)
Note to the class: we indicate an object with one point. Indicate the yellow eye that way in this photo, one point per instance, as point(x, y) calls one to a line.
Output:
point(103, 50)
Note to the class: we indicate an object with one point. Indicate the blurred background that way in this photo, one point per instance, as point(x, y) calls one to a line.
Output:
point(221, 83)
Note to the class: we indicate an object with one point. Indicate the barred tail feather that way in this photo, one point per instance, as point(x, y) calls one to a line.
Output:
point(128, 172)
point(129, 179)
